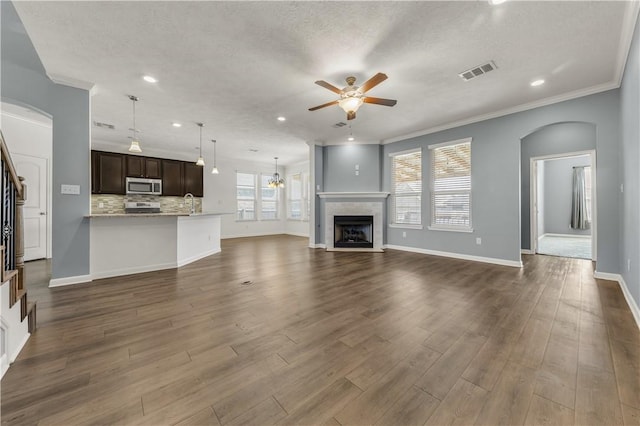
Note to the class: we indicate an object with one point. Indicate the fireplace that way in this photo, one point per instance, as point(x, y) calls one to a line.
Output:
point(353, 231)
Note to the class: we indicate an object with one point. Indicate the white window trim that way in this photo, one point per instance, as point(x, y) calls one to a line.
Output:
point(255, 197)
point(449, 228)
point(261, 219)
point(405, 226)
point(392, 193)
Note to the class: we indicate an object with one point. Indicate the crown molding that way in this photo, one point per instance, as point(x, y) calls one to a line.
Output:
point(71, 82)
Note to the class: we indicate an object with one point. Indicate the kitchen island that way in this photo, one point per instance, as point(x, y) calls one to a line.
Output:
point(123, 244)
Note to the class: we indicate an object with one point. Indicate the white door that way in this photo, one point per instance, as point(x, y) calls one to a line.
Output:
point(34, 171)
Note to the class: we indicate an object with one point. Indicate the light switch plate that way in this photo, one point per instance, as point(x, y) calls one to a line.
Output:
point(70, 189)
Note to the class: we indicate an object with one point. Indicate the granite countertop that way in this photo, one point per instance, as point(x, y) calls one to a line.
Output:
point(156, 214)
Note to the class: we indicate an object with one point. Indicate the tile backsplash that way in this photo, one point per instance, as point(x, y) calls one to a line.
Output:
point(115, 203)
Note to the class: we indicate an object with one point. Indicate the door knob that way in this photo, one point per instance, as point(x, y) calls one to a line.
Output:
point(43, 213)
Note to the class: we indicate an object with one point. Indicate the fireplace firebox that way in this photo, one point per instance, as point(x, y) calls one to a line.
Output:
point(353, 231)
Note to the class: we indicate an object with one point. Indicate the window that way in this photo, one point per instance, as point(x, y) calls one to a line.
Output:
point(298, 197)
point(406, 187)
point(451, 186)
point(246, 196)
point(268, 199)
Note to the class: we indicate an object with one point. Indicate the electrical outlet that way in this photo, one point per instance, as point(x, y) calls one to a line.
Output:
point(478, 241)
point(100, 205)
point(404, 234)
point(622, 187)
point(628, 265)
point(357, 166)
point(181, 205)
point(357, 173)
point(317, 187)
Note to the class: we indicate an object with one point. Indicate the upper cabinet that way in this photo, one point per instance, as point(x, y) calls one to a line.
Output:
point(145, 167)
point(193, 176)
point(107, 173)
point(172, 178)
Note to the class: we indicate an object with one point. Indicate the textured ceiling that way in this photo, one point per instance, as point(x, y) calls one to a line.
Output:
point(236, 66)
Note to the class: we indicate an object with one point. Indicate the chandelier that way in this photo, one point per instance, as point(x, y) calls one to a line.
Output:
point(276, 181)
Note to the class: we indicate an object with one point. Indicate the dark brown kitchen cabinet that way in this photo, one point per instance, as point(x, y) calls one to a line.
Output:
point(108, 173)
point(145, 167)
point(172, 178)
point(193, 176)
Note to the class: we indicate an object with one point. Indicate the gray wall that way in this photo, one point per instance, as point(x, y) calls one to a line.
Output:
point(339, 168)
point(24, 82)
point(563, 138)
point(495, 173)
point(558, 192)
point(630, 176)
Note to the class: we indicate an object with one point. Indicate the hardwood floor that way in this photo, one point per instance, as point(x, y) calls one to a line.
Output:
point(336, 338)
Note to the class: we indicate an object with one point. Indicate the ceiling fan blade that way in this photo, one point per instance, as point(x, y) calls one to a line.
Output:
point(380, 101)
point(324, 105)
point(329, 86)
point(373, 82)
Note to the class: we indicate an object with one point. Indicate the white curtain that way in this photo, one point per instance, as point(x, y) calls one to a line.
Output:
point(579, 212)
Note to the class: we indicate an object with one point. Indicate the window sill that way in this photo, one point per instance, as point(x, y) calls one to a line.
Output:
point(405, 226)
point(441, 228)
point(246, 220)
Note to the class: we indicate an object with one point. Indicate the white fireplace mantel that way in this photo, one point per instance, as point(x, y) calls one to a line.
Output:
point(353, 194)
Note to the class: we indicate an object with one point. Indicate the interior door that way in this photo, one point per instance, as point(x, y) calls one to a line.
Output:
point(34, 171)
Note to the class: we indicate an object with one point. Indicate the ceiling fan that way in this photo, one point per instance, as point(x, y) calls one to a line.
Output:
point(351, 97)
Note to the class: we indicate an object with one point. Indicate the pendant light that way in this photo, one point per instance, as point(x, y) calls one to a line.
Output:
point(214, 171)
point(276, 181)
point(135, 143)
point(200, 161)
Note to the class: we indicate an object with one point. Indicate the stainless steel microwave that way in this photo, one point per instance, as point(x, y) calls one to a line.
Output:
point(144, 186)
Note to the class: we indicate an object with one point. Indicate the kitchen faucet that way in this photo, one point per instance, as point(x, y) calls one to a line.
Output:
point(193, 207)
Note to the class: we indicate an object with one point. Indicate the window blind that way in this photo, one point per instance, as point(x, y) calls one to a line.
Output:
point(406, 188)
point(268, 199)
point(451, 186)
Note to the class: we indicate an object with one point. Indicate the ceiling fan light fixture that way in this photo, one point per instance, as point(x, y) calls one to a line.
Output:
point(350, 104)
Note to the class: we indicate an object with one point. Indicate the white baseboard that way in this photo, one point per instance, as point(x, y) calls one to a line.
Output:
point(197, 257)
point(565, 235)
point(318, 246)
point(259, 234)
point(298, 234)
point(526, 251)
point(19, 348)
point(633, 306)
point(503, 262)
point(78, 279)
point(134, 270)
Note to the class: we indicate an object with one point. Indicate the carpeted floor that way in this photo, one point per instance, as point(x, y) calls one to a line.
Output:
point(565, 246)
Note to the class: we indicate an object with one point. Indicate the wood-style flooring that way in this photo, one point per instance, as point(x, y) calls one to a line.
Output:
point(270, 331)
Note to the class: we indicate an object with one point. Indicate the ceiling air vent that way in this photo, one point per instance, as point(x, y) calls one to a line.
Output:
point(478, 71)
point(340, 124)
point(104, 125)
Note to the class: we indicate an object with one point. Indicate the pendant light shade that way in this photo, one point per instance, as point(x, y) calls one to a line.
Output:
point(200, 161)
point(276, 181)
point(135, 143)
point(214, 171)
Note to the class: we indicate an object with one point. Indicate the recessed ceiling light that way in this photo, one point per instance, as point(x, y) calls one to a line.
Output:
point(176, 125)
point(537, 83)
point(149, 79)
point(494, 2)
point(281, 118)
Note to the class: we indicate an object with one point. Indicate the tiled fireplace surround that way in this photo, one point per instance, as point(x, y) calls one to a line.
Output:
point(348, 204)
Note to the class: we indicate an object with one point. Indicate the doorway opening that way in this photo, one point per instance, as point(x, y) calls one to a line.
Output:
point(563, 194)
point(29, 137)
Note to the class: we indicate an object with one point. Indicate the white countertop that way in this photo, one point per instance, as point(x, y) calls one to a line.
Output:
point(156, 214)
